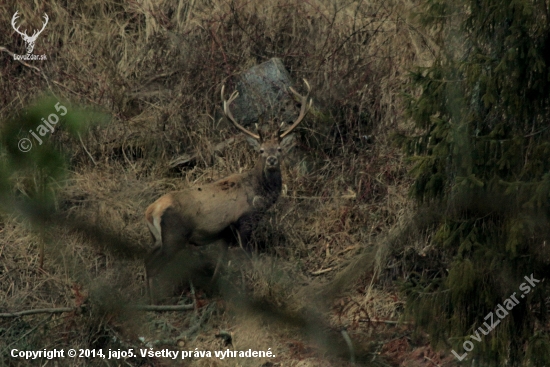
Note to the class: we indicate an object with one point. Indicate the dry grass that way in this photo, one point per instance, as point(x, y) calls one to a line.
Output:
point(157, 67)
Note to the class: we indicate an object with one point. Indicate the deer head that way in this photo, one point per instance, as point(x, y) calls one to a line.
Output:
point(29, 40)
point(272, 148)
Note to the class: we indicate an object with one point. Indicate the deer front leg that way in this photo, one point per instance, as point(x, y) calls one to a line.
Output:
point(220, 247)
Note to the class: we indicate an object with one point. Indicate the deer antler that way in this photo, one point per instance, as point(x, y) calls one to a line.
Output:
point(26, 37)
point(13, 19)
point(229, 115)
point(303, 111)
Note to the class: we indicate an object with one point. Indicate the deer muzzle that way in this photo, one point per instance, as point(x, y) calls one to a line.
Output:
point(272, 162)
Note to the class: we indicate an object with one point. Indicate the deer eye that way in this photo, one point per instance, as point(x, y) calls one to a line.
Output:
point(261, 151)
point(279, 149)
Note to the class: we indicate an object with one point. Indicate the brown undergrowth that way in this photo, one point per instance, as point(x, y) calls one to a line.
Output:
point(157, 68)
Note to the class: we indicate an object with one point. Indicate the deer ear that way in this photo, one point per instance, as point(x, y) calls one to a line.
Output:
point(288, 142)
point(254, 143)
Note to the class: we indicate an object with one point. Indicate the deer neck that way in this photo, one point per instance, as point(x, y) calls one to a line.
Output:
point(268, 183)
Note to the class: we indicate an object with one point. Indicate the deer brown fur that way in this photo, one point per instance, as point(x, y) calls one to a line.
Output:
point(223, 211)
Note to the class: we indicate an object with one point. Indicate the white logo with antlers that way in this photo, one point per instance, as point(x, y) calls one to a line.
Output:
point(29, 40)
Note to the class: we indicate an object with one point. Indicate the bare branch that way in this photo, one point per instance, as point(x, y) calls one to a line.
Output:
point(160, 308)
point(37, 311)
point(156, 308)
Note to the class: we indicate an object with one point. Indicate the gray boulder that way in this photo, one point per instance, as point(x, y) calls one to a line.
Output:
point(264, 96)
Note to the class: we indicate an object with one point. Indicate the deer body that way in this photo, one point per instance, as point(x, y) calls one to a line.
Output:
point(225, 211)
point(205, 212)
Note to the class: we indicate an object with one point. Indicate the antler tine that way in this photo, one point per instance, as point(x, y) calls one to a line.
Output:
point(303, 111)
point(259, 132)
point(229, 115)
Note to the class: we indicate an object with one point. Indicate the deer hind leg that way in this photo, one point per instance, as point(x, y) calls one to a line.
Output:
point(155, 257)
point(175, 259)
point(170, 235)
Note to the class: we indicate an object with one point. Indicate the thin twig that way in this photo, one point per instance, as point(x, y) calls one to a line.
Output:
point(322, 197)
point(86, 150)
point(37, 311)
point(391, 322)
point(321, 271)
point(157, 308)
point(160, 308)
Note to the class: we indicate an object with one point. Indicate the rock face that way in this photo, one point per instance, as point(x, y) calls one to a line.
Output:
point(264, 96)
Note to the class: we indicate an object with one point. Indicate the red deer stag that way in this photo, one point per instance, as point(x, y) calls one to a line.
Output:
point(225, 210)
